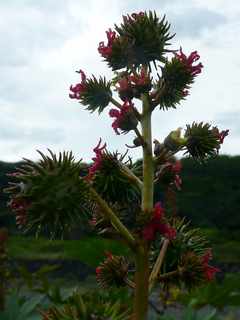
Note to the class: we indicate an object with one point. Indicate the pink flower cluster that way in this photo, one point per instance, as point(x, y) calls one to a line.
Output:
point(106, 51)
point(79, 88)
point(157, 224)
point(97, 160)
point(124, 84)
point(188, 61)
point(141, 79)
point(209, 271)
point(129, 85)
point(120, 115)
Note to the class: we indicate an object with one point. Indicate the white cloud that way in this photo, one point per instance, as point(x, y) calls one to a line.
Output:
point(43, 43)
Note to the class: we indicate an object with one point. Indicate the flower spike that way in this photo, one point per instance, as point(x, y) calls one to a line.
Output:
point(97, 160)
point(79, 88)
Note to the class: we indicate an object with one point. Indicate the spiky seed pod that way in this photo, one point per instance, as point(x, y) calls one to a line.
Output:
point(187, 240)
point(168, 175)
point(51, 194)
point(97, 94)
point(195, 270)
point(112, 271)
point(192, 270)
point(111, 180)
point(141, 38)
point(203, 141)
point(177, 76)
point(173, 85)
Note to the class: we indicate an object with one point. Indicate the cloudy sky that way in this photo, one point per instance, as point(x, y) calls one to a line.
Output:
point(43, 42)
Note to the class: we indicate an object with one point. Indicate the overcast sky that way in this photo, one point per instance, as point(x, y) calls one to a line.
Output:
point(43, 42)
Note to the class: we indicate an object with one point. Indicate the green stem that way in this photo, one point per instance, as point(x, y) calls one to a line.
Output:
point(117, 224)
point(148, 173)
point(140, 307)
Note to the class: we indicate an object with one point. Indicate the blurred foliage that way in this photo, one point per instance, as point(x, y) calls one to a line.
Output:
point(190, 314)
point(215, 294)
point(20, 308)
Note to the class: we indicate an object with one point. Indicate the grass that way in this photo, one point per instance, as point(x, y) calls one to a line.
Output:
point(89, 249)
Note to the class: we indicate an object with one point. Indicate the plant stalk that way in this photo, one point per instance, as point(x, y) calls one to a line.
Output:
point(140, 307)
point(148, 173)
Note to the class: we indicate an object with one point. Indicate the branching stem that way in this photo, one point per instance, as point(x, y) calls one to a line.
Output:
point(158, 264)
point(117, 224)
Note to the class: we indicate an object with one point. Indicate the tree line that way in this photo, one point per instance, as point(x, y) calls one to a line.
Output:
point(210, 195)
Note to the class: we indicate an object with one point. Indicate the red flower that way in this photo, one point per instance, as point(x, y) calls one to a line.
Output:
point(98, 271)
point(109, 255)
point(166, 230)
point(157, 224)
point(134, 16)
point(106, 51)
point(188, 62)
point(141, 79)
point(19, 206)
point(222, 135)
point(125, 89)
point(209, 271)
point(125, 119)
point(158, 211)
point(97, 160)
point(149, 232)
point(79, 88)
point(177, 167)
